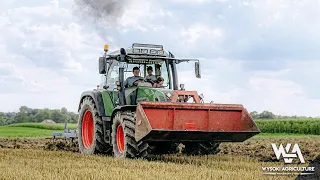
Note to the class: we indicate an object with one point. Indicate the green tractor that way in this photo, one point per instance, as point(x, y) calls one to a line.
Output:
point(130, 115)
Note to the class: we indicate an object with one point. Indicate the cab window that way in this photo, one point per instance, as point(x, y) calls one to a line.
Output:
point(113, 75)
point(165, 75)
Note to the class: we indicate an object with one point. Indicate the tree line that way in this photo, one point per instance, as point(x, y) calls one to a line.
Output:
point(269, 115)
point(26, 115)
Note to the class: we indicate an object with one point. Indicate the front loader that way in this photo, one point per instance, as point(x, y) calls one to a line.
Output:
point(136, 120)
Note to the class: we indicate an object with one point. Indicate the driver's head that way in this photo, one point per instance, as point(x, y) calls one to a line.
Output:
point(136, 71)
point(149, 70)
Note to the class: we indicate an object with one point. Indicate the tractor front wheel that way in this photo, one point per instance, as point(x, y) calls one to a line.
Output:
point(123, 130)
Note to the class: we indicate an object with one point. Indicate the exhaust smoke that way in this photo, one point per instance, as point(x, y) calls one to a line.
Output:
point(103, 15)
point(107, 12)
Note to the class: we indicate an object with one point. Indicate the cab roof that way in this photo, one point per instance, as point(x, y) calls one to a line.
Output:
point(146, 54)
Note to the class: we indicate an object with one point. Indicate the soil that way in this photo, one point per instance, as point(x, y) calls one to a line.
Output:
point(259, 149)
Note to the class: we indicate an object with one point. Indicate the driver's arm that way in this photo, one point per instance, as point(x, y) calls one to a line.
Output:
point(137, 80)
point(126, 82)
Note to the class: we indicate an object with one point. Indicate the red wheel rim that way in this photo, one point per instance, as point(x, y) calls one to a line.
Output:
point(87, 129)
point(120, 138)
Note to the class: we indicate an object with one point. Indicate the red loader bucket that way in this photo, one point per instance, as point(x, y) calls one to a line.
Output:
point(181, 122)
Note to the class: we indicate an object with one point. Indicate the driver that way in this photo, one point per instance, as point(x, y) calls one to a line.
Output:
point(133, 80)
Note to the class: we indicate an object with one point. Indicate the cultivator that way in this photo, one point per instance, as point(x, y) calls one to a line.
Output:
point(67, 133)
point(139, 120)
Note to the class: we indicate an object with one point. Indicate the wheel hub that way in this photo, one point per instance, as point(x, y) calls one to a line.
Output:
point(120, 138)
point(87, 129)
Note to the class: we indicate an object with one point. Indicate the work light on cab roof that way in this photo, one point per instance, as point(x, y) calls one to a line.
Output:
point(106, 47)
point(146, 49)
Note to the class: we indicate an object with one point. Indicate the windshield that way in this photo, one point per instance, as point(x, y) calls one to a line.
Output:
point(151, 71)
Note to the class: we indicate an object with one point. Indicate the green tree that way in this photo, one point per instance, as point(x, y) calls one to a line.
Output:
point(266, 115)
point(57, 116)
point(41, 115)
point(254, 115)
point(64, 110)
point(2, 120)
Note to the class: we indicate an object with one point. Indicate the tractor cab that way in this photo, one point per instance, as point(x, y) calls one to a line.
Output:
point(127, 73)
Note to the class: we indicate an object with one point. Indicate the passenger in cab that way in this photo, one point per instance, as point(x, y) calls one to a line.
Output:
point(158, 83)
point(150, 77)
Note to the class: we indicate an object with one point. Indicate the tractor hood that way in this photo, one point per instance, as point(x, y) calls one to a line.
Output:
point(153, 94)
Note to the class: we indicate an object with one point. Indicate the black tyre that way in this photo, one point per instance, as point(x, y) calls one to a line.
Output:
point(122, 136)
point(164, 148)
point(202, 148)
point(145, 149)
point(90, 131)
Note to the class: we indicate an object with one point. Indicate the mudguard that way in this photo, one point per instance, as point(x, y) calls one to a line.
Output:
point(97, 98)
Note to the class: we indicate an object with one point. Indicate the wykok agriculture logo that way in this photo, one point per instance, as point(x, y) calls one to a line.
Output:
point(288, 157)
point(288, 154)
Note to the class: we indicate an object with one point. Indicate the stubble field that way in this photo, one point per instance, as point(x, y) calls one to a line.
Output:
point(26, 153)
point(40, 158)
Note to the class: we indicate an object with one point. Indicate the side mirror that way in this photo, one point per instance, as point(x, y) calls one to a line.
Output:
point(197, 69)
point(103, 65)
point(182, 87)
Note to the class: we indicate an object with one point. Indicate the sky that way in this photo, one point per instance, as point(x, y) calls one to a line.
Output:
point(263, 54)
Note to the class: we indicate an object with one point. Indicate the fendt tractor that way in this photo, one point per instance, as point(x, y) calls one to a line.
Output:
point(139, 109)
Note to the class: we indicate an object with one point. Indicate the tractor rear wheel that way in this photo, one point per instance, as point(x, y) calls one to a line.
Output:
point(202, 148)
point(90, 131)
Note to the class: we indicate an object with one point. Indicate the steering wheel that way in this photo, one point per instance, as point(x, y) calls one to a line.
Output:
point(137, 81)
point(149, 81)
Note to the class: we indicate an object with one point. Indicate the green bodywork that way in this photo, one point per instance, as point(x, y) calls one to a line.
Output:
point(111, 98)
point(152, 94)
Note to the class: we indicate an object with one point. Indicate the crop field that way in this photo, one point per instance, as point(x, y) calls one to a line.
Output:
point(32, 130)
point(296, 126)
point(31, 154)
point(57, 126)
